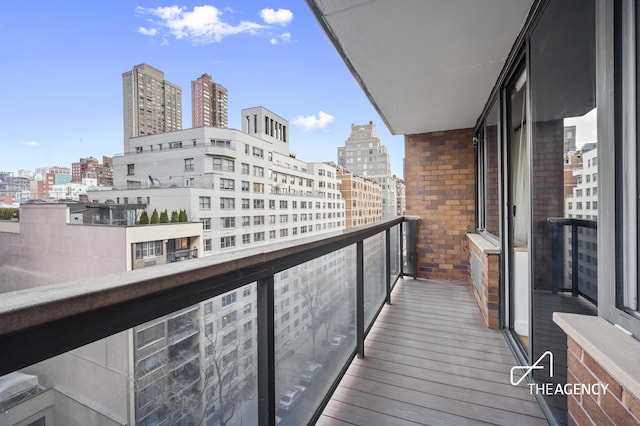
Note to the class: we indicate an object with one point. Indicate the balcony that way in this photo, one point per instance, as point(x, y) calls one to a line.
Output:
point(426, 355)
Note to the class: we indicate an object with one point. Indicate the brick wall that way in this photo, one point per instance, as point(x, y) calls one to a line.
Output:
point(440, 180)
point(616, 407)
point(489, 299)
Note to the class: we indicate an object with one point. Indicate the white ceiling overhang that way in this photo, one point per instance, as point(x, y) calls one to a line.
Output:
point(426, 65)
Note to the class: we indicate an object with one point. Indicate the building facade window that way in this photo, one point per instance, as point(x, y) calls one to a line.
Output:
point(131, 169)
point(227, 184)
point(206, 223)
point(148, 249)
point(223, 164)
point(227, 203)
point(226, 242)
point(188, 165)
point(204, 203)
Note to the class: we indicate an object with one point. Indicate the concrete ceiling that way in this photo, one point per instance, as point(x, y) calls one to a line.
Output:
point(426, 65)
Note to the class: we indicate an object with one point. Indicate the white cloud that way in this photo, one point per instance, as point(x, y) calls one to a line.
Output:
point(284, 37)
point(30, 143)
point(311, 122)
point(279, 17)
point(147, 31)
point(203, 24)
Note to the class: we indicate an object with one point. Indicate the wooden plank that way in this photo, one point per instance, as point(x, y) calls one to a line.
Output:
point(383, 407)
point(488, 397)
point(353, 414)
point(430, 359)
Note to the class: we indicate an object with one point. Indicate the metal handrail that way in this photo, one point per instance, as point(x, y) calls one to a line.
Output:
point(42, 322)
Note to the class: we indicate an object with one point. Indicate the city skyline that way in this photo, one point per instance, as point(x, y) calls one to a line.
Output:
point(63, 100)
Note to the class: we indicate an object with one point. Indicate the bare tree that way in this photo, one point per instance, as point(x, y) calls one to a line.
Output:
point(185, 393)
point(310, 288)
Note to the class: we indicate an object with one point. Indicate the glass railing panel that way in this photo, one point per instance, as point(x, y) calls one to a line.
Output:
point(314, 305)
point(395, 255)
point(375, 273)
point(192, 366)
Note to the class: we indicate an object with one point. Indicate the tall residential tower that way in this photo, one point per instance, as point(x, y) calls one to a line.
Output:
point(365, 156)
point(151, 104)
point(208, 103)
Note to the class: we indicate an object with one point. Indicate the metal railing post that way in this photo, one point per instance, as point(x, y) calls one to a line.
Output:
point(360, 298)
point(574, 260)
point(266, 353)
point(387, 247)
point(401, 248)
point(556, 259)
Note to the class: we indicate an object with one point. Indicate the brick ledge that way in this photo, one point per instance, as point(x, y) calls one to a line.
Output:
point(616, 352)
point(483, 244)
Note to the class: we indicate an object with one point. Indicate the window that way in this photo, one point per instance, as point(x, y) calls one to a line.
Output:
point(258, 204)
point(272, 234)
point(258, 152)
point(208, 308)
point(206, 223)
point(258, 236)
point(245, 186)
point(284, 233)
point(226, 242)
point(258, 187)
point(258, 220)
point(205, 203)
point(227, 222)
point(246, 309)
point(227, 184)
point(272, 204)
point(283, 204)
point(149, 335)
point(228, 299)
point(131, 169)
point(245, 168)
point(284, 218)
point(246, 238)
point(227, 203)
point(223, 164)
point(272, 219)
point(247, 327)
point(188, 164)
point(175, 145)
point(230, 318)
point(246, 292)
point(148, 249)
point(206, 244)
point(246, 204)
point(258, 171)
point(246, 220)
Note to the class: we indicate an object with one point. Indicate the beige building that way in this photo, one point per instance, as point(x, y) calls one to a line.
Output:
point(150, 103)
point(209, 103)
point(363, 199)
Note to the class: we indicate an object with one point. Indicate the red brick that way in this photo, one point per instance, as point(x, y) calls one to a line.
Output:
point(594, 412)
point(615, 410)
point(574, 347)
point(632, 403)
point(577, 415)
point(603, 376)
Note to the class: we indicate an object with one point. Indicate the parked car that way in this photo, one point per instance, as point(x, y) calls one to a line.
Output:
point(291, 397)
point(310, 372)
point(337, 340)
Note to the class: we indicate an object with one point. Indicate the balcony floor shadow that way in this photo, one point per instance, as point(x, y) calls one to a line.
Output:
point(430, 359)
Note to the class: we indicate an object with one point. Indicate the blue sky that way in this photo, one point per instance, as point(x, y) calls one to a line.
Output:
point(62, 65)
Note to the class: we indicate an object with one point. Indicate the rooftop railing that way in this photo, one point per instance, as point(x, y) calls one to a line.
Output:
point(338, 284)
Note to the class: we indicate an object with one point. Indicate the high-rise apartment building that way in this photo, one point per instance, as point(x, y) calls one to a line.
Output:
point(150, 103)
point(365, 156)
point(209, 103)
point(362, 197)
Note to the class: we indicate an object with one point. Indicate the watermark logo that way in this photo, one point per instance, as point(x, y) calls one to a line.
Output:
point(549, 388)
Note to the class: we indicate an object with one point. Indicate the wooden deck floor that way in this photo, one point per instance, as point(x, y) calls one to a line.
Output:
point(429, 359)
